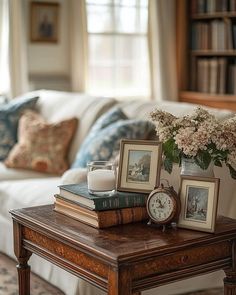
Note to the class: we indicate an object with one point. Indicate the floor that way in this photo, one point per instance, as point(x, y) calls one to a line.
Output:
point(8, 280)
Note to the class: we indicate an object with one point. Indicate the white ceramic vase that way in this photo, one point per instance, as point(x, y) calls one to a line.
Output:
point(189, 167)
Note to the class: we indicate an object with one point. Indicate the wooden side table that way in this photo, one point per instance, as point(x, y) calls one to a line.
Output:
point(122, 260)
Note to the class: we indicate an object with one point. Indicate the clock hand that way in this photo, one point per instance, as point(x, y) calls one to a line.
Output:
point(159, 203)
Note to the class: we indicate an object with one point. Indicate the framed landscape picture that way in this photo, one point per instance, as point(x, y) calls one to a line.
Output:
point(139, 166)
point(199, 199)
point(44, 22)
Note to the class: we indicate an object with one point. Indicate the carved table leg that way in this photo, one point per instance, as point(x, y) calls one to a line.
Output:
point(23, 256)
point(230, 283)
point(23, 276)
point(119, 282)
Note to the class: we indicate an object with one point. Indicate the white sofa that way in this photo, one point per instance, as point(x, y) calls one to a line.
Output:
point(21, 188)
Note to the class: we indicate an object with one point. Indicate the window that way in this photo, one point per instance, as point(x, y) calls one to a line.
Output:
point(118, 63)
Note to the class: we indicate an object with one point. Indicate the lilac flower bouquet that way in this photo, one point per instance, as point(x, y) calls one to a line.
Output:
point(199, 136)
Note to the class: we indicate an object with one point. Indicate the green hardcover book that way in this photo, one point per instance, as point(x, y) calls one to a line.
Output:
point(78, 193)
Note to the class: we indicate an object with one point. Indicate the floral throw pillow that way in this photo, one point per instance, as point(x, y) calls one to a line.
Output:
point(42, 146)
point(9, 117)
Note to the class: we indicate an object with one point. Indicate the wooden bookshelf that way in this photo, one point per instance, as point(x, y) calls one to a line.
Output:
point(206, 52)
point(213, 53)
point(219, 15)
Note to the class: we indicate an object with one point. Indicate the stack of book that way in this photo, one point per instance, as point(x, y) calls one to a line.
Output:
point(75, 201)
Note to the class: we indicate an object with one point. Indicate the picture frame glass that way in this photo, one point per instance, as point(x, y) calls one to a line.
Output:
point(138, 168)
point(196, 203)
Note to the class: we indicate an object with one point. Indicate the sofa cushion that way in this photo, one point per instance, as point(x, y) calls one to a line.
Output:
point(12, 174)
point(42, 147)
point(141, 109)
point(55, 106)
point(25, 193)
point(9, 117)
point(106, 144)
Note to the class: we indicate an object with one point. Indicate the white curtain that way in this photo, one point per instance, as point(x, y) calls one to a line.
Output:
point(17, 48)
point(78, 45)
point(4, 45)
point(162, 44)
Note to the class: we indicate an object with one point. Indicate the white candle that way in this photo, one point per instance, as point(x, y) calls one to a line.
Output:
point(101, 180)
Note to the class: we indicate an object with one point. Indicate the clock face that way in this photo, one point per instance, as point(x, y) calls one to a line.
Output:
point(160, 206)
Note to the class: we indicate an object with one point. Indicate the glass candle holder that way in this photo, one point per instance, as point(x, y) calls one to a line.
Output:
point(101, 178)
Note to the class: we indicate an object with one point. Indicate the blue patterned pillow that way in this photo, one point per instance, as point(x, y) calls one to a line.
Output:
point(106, 144)
point(112, 116)
point(9, 117)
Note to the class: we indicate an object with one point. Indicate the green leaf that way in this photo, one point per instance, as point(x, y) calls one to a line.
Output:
point(203, 159)
point(232, 171)
point(168, 165)
point(171, 150)
point(168, 146)
point(218, 163)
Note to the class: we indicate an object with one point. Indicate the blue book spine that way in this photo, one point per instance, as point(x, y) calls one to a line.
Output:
point(120, 202)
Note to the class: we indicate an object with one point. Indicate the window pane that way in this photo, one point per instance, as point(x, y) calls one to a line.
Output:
point(143, 3)
point(118, 65)
point(132, 72)
point(131, 20)
point(101, 80)
point(100, 48)
point(119, 49)
point(137, 3)
point(126, 2)
point(99, 2)
point(100, 19)
point(118, 52)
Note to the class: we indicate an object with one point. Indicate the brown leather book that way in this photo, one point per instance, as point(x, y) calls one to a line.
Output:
point(100, 219)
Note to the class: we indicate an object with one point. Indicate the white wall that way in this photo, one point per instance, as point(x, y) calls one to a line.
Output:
point(49, 63)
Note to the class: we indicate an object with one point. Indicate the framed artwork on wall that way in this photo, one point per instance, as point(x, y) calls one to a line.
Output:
point(44, 22)
point(139, 165)
point(199, 199)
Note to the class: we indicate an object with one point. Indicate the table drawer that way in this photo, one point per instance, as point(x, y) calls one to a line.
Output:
point(182, 259)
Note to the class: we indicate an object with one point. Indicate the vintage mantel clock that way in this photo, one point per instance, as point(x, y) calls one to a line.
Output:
point(163, 206)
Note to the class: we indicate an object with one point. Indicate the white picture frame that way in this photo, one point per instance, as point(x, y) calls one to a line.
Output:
point(199, 200)
point(139, 165)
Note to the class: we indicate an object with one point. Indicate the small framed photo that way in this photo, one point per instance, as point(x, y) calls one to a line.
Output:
point(199, 199)
point(139, 166)
point(44, 22)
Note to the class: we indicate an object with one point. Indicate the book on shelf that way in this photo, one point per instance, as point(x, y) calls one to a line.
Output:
point(212, 6)
point(216, 35)
point(232, 5)
point(79, 194)
point(222, 75)
point(100, 219)
point(232, 79)
point(211, 75)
